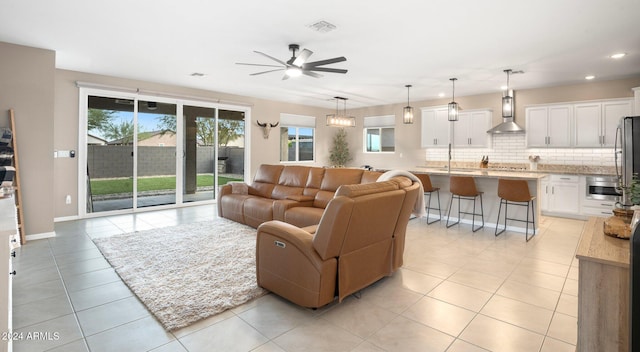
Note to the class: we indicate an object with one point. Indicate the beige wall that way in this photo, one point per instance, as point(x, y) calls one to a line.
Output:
point(26, 85)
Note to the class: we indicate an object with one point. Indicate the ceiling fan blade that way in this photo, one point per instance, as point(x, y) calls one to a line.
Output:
point(326, 62)
point(263, 72)
point(312, 74)
point(262, 65)
point(302, 57)
point(271, 57)
point(325, 69)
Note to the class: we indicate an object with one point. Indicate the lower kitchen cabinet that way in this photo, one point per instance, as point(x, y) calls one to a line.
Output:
point(561, 195)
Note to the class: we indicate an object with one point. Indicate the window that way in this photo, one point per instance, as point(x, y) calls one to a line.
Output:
point(379, 134)
point(297, 138)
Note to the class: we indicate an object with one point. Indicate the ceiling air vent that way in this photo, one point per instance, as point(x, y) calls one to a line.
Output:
point(322, 26)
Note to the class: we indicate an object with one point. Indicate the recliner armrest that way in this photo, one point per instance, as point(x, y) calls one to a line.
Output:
point(289, 235)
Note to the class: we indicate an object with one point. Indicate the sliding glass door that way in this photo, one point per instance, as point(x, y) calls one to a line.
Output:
point(139, 154)
point(156, 153)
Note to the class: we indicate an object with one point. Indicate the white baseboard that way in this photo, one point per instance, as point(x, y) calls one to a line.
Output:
point(39, 236)
point(66, 218)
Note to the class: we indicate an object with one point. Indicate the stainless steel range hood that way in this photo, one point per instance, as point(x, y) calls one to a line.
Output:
point(508, 124)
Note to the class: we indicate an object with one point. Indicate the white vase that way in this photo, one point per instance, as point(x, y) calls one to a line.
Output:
point(533, 165)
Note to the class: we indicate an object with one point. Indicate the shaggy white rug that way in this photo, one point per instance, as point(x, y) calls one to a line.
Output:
point(189, 272)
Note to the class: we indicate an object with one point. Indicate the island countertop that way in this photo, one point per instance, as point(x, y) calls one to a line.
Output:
point(597, 247)
point(481, 173)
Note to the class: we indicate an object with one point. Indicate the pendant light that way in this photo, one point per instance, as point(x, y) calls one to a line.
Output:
point(341, 120)
point(507, 99)
point(407, 112)
point(453, 106)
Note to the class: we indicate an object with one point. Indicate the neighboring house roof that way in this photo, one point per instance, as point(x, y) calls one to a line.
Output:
point(91, 139)
point(153, 138)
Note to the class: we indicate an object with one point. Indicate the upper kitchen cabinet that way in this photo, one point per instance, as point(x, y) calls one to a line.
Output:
point(596, 122)
point(549, 126)
point(471, 129)
point(435, 128)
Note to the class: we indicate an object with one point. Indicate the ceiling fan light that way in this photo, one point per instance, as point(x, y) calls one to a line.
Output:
point(294, 72)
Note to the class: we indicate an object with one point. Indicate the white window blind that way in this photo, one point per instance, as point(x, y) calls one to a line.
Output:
point(297, 120)
point(380, 121)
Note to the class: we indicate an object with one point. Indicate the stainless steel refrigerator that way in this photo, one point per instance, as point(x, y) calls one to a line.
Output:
point(627, 153)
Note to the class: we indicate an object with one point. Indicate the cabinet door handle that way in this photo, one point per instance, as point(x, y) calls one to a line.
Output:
point(546, 189)
point(553, 188)
point(565, 178)
point(469, 141)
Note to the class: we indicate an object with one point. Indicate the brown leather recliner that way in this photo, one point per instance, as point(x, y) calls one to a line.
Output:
point(355, 244)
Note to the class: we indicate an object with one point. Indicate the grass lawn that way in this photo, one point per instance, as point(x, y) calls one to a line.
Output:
point(125, 185)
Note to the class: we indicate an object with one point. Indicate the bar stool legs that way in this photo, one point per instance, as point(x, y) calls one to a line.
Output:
point(516, 192)
point(473, 214)
point(429, 206)
point(529, 205)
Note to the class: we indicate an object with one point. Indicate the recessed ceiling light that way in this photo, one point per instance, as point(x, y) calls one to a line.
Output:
point(503, 87)
point(197, 74)
point(441, 95)
point(618, 55)
point(590, 77)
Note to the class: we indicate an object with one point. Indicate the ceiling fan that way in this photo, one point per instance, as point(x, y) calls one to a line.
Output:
point(298, 65)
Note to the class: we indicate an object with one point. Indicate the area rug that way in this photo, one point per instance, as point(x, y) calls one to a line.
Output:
point(189, 272)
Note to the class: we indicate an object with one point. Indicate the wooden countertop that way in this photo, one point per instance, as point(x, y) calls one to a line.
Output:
point(597, 247)
point(481, 173)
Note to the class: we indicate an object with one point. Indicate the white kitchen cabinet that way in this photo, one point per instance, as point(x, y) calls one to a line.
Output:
point(549, 126)
point(561, 195)
point(471, 129)
point(435, 128)
point(596, 122)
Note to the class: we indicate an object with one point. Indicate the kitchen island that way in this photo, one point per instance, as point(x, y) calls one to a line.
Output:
point(486, 182)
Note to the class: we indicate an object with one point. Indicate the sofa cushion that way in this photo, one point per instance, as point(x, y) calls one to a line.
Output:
point(294, 176)
point(268, 173)
point(334, 178)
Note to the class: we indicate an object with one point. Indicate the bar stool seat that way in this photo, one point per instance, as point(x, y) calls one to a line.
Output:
point(429, 190)
point(464, 188)
point(516, 192)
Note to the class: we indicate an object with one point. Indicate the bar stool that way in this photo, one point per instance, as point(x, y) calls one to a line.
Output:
point(428, 190)
point(516, 192)
point(464, 188)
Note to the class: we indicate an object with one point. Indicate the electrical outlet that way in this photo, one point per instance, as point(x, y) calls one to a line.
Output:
point(68, 199)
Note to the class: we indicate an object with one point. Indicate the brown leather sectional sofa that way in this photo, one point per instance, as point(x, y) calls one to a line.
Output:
point(323, 232)
point(294, 194)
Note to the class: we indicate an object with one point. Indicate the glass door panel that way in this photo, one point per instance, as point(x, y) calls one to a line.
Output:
point(231, 141)
point(109, 177)
point(156, 156)
point(199, 166)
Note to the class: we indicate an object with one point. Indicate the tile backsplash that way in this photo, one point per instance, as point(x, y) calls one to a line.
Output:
point(511, 148)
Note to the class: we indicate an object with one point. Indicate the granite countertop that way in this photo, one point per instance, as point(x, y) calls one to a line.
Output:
point(595, 246)
point(481, 173)
point(521, 167)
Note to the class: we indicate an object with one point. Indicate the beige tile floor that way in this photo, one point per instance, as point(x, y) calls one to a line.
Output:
point(457, 291)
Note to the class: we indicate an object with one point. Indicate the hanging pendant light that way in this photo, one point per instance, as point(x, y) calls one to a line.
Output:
point(407, 112)
point(453, 106)
point(507, 99)
point(341, 120)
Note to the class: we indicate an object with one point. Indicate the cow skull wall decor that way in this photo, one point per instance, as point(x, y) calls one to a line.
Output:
point(266, 128)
